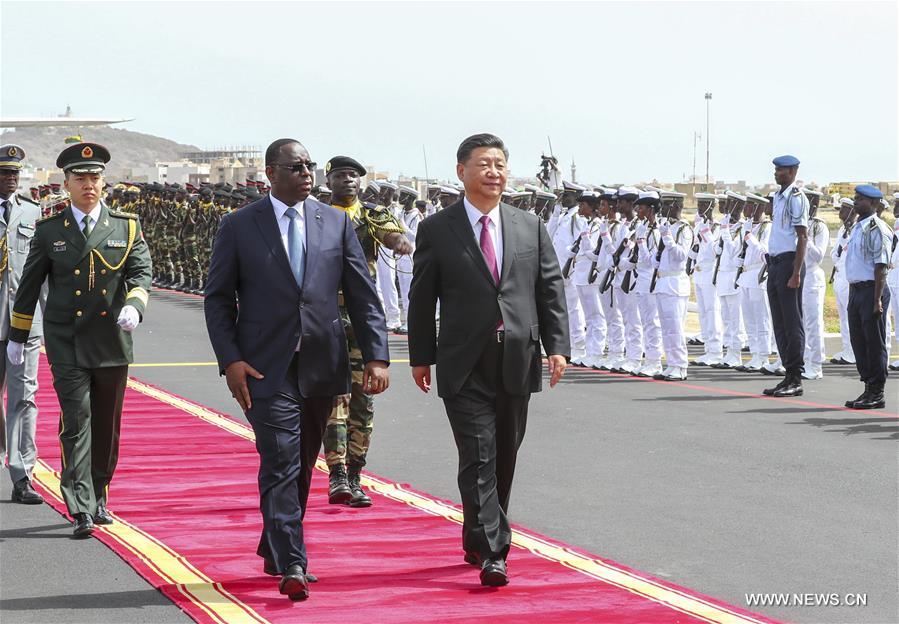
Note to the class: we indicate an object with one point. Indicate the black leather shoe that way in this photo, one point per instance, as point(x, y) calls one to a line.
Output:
point(83, 526)
point(874, 400)
point(792, 388)
point(338, 489)
point(268, 566)
point(861, 397)
point(360, 498)
point(493, 573)
point(472, 558)
point(777, 388)
point(23, 493)
point(102, 516)
point(294, 584)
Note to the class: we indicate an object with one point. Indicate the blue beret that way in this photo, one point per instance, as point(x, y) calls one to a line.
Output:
point(786, 161)
point(866, 190)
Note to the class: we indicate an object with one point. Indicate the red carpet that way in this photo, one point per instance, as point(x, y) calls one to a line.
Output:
point(186, 502)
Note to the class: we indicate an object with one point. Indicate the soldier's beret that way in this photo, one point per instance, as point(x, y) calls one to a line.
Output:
point(869, 191)
point(344, 162)
point(786, 161)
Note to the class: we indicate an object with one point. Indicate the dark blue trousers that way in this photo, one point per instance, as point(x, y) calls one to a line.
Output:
point(289, 430)
point(786, 312)
point(867, 332)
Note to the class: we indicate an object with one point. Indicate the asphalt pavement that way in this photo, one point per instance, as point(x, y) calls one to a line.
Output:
point(703, 483)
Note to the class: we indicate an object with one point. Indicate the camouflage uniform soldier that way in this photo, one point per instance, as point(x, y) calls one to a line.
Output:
point(348, 433)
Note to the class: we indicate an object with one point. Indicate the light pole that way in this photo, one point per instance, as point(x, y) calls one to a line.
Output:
point(708, 99)
point(696, 137)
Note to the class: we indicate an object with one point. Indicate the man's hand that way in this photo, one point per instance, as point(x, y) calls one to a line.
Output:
point(236, 376)
point(341, 400)
point(794, 281)
point(878, 310)
point(422, 377)
point(398, 244)
point(129, 318)
point(15, 352)
point(375, 377)
point(557, 367)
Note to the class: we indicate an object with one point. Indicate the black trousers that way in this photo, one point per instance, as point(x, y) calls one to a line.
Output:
point(867, 332)
point(289, 430)
point(786, 312)
point(91, 400)
point(488, 426)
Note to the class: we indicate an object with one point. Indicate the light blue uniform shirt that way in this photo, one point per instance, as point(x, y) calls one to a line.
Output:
point(869, 244)
point(790, 211)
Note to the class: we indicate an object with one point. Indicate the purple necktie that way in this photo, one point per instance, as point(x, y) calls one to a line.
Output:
point(487, 248)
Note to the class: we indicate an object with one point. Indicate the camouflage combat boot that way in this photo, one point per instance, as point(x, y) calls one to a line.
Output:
point(359, 497)
point(338, 490)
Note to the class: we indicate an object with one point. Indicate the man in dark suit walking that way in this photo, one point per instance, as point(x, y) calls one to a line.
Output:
point(273, 319)
point(493, 269)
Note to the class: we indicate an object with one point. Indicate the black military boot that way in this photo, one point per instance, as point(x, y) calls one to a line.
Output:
point(792, 386)
point(874, 400)
point(360, 498)
point(777, 388)
point(861, 397)
point(338, 489)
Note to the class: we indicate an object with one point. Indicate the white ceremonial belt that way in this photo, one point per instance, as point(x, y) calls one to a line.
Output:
point(670, 273)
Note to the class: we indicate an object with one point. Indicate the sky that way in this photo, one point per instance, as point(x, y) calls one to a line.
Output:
point(618, 87)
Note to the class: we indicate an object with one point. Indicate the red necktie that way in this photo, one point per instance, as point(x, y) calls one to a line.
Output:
point(487, 248)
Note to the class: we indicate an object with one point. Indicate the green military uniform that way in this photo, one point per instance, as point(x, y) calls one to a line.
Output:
point(90, 278)
point(348, 433)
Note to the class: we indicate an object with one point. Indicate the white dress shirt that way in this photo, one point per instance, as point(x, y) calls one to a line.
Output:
point(284, 221)
point(495, 231)
point(79, 216)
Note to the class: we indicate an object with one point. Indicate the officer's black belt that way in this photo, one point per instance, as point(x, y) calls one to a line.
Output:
point(782, 257)
point(865, 284)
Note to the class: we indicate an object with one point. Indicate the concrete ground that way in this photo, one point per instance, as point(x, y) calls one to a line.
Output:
point(703, 483)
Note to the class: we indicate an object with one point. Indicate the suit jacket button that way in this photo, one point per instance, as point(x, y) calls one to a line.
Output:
point(102, 271)
point(77, 271)
point(103, 292)
point(103, 313)
point(77, 293)
point(79, 313)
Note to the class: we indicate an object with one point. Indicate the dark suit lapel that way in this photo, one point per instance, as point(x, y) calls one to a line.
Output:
point(314, 226)
point(461, 227)
point(102, 229)
point(72, 233)
point(268, 227)
point(509, 217)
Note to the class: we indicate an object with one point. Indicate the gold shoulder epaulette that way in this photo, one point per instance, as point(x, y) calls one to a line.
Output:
point(50, 217)
point(123, 215)
point(27, 199)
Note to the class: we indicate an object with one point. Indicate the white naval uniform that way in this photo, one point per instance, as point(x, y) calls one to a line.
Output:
point(841, 290)
point(611, 314)
point(588, 294)
point(707, 303)
point(728, 296)
point(627, 304)
point(672, 291)
point(410, 221)
point(387, 279)
point(813, 288)
point(893, 285)
point(647, 304)
point(754, 294)
point(564, 230)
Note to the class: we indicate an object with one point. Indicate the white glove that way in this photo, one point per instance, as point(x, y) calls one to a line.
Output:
point(697, 219)
point(585, 234)
point(665, 229)
point(747, 226)
point(604, 228)
point(726, 220)
point(642, 230)
point(128, 318)
point(15, 352)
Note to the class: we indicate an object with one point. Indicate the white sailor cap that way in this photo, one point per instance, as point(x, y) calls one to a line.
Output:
point(648, 197)
point(605, 191)
point(809, 191)
point(885, 203)
point(705, 196)
point(896, 195)
point(757, 198)
point(520, 194)
point(589, 195)
point(541, 194)
point(374, 186)
point(628, 191)
point(449, 190)
point(532, 188)
point(408, 190)
point(388, 184)
point(734, 195)
point(571, 187)
point(847, 201)
point(649, 187)
point(672, 195)
point(720, 195)
point(433, 187)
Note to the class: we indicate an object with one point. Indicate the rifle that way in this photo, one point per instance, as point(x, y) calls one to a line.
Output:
point(846, 230)
point(566, 270)
point(694, 250)
point(616, 258)
point(655, 271)
point(593, 272)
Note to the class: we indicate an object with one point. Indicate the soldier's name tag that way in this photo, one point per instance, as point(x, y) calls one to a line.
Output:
point(59, 246)
point(116, 244)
